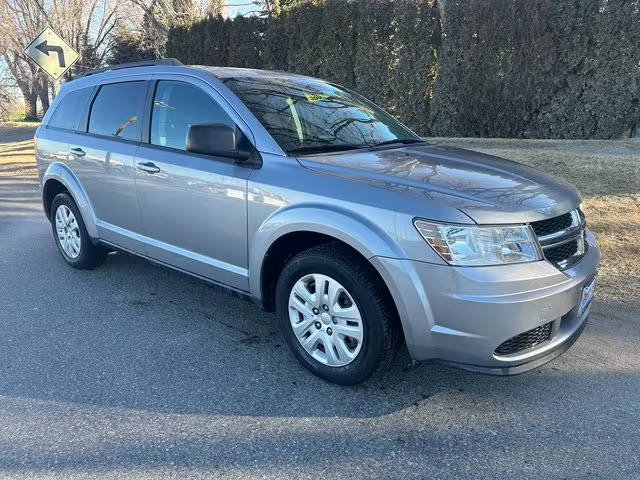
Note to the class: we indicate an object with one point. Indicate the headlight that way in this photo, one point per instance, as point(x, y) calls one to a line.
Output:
point(474, 245)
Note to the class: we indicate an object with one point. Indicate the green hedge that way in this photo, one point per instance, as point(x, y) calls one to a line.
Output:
point(499, 68)
point(376, 47)
point(539, 69)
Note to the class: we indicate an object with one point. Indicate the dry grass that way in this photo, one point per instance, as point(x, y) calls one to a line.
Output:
point(606, 172)
point(16, 149)
point(615, 219)
point(31, 125)
point(595, 167)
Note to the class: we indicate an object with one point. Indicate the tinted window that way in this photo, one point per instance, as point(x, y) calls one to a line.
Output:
point(177, 106)
point(117, 110)
point(308, 115)
point(70, 109)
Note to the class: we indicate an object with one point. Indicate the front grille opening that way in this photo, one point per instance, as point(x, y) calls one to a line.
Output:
point(562, 238)
point(561, 252)
point(526, 340)
point(567, 254)
point(552, 225)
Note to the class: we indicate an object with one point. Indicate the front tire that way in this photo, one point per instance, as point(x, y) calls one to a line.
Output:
point(335, 314)
point(71, 235)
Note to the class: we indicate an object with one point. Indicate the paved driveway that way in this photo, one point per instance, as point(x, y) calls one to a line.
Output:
point(135, 370)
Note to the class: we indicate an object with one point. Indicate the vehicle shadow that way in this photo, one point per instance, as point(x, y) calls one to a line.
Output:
point(517, 422)
point(19, 199)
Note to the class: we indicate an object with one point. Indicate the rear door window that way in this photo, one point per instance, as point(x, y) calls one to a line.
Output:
point(177, 106)
point(117, 110)
point(70, 109)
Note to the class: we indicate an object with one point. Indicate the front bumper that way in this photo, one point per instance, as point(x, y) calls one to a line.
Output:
point(460, 315)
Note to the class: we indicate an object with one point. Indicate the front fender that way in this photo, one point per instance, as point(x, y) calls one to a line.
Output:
point(63, 174)
point(345, 225)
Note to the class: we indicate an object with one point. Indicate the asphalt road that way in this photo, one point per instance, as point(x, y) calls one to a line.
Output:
point(135, 370)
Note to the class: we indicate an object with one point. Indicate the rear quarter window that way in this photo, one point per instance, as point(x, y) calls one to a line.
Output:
point(70, 109)
point(117, 110)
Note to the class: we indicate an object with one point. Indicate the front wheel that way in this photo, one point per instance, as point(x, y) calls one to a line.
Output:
point(335, 315)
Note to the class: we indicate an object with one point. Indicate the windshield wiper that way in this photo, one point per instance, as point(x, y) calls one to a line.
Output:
point(349, 146)
point(403, 141)
point(326, 148)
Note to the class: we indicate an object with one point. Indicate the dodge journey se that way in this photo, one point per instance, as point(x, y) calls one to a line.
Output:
point(310, 200)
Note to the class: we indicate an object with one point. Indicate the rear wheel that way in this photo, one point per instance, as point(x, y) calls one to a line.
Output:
point(71, 235)
point(335, 315)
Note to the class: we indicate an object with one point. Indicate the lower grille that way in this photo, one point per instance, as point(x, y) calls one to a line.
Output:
point(561, 252)
point(526, 340)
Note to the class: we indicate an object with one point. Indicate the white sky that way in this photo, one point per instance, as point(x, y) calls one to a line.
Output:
point(233, 11)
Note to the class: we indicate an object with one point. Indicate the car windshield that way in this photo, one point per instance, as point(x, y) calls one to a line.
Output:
point(310, 116)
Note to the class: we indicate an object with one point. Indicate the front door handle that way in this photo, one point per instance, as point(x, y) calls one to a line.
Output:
point(148, 167)
point(78, 152)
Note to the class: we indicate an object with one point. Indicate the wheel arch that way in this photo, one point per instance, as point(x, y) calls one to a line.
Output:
point(291, 230)
point(58, 178)
point(50, 189)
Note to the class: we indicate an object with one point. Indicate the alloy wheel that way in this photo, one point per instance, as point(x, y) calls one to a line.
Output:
point(68, 231)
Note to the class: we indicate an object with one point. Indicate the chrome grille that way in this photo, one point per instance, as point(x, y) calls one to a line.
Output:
point(526, 340)
point(562, 238)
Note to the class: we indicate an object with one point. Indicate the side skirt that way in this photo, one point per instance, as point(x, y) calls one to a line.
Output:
point(217, 285)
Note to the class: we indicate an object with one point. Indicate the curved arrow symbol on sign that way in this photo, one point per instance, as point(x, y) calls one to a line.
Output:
point(44, 48)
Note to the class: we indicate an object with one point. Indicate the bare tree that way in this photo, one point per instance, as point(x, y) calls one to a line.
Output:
point(88, 26)
point(9, 102)
point(214, 8)
point(161, 14)
point(17, 22)
point(157, 17)
point(85, 24)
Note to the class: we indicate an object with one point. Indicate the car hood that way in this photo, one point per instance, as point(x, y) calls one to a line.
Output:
point(486, 188)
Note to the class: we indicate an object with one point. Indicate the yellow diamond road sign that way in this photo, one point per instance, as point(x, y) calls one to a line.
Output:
point(51, 53)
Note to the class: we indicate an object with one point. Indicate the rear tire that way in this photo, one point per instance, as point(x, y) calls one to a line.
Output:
point(322, 340)
point(70, 234)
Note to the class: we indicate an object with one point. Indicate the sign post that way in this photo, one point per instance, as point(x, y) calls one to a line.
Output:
point(51, 53)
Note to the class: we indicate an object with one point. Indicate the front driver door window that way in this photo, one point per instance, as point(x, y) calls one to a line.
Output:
point(177, 106)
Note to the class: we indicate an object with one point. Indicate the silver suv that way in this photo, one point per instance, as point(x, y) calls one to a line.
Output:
point(313, 202)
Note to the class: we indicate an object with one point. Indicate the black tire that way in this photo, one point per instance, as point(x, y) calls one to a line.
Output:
point(379, 318)
point(90, 255)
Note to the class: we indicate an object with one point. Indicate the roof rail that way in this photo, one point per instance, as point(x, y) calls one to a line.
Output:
point(144, 63)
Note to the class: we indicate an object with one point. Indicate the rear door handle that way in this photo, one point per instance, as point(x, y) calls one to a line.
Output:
point(78, 152)
point(148, 167)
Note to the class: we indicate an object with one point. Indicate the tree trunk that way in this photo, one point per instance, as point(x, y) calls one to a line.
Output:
point(43, 93)
point(30, 96)
point(32, 102)
point(32, 106)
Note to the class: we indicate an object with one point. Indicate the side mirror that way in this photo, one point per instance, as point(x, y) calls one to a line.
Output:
point(216, 139)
